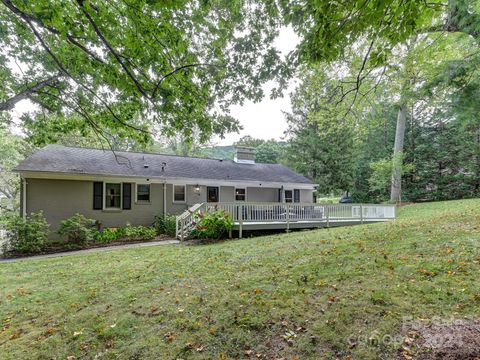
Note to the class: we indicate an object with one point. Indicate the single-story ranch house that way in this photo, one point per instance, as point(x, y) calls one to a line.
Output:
point(121, 187)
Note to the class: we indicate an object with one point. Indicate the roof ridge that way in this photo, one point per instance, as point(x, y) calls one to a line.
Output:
point(138, 152)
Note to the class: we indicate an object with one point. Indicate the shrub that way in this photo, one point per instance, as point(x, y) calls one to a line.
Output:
point(140, 232)
point(78, 229)
point(109, 235)
point(25, 235)
point(213, 225)
point(165, 224)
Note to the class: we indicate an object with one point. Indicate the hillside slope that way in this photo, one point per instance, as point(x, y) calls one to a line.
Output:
point(311, 294)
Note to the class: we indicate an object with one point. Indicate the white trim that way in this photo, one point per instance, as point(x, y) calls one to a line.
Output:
point(149, 201)
point(164, 199)
point(105, 195)
point(173, 194)
point(161, 180)
point(235, 195)
point(24, 198)
point(285, 197)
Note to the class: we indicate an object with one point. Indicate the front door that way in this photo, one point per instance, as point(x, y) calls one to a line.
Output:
point(212, 194)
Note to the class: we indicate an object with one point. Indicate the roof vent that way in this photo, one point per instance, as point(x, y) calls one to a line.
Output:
point(244, 155)
point(145, 166)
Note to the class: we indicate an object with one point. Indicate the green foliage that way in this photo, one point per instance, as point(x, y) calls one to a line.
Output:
point(381, 176)
point(140, 232)
point(109, 235)
point(213, 225)
point(268, 152)
point(78, 229)
point(182, 63)
point(249, 141)
point(321, 139)
point(13, 149)
point(165, 224)
point(24, 235)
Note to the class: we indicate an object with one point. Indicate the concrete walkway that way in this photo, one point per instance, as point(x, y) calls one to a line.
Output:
point(99, 249)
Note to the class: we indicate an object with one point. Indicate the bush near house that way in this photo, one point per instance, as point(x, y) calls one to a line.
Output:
point(27, 235)
point(78, 229)
point(109, 235)
point(165, 224)
point(213, 225)
point(140, 233)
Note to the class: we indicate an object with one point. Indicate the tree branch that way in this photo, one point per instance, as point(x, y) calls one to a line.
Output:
point(112, 50)
point(28, 17)
point(173, 72)
point(10, 103)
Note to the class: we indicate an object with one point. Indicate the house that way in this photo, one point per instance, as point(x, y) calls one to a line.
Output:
point(121, 187)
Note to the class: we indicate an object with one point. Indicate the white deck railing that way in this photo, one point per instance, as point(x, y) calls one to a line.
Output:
point(283, 212)
point(185, 222)
point(287, 213)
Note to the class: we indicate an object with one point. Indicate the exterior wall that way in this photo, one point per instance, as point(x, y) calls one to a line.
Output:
point(306, 196)
point(262, 194)
point(227, 193)
point(60, 199)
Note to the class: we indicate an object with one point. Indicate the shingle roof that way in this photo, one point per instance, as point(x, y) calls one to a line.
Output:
point(63, 159)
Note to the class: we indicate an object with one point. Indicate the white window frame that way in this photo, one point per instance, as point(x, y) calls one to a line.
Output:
point(105, 195)
point(185, 194)
point(206, 191)
point(149, 193)
point(235, 193)
point(299, 196)
point(285, 197)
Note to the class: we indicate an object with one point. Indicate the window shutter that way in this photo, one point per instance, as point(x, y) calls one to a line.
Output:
point(127, 196)
point(97, 195)
point(296, 195)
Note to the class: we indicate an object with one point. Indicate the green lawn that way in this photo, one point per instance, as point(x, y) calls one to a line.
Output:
point(293, 295)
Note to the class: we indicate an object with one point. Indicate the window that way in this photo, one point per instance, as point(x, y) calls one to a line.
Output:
point(179, 193)
point(143, 192)
point(212, 194)
point(296, 195)
point(288, 196)
point(240, 194)
point(113, 196)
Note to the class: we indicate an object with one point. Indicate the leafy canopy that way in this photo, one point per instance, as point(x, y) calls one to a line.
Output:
point(177, 64)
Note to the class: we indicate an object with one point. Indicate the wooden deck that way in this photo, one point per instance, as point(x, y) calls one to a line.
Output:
point(270, 216)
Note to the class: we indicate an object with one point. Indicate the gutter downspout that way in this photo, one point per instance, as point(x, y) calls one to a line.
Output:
point(24, 198)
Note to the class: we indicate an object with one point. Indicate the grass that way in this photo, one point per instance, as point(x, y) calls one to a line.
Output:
point(305, 295)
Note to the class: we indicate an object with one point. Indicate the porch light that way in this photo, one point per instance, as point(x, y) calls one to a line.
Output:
point(197, 188)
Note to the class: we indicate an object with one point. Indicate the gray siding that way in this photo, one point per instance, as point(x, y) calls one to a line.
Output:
point(306, 196)
point(262, 194)
point(60, 199)
point(226, 193)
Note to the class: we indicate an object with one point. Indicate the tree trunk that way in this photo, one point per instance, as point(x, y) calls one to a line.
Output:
point(396, 187)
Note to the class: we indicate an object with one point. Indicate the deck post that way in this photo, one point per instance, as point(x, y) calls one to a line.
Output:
point(182, 229)
point(240, 221)
point(328, 216)
point(288, 217)
point(361, 214)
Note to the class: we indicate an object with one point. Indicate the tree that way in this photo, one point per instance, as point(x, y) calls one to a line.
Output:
point(321, 140)
point(177, 64)
point(268, 152)
point(249, 141)
point(13, 149)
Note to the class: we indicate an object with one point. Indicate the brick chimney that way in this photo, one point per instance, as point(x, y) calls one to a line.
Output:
point(244, 155)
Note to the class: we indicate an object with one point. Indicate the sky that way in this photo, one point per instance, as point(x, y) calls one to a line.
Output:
point(263, 120)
